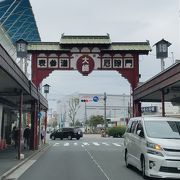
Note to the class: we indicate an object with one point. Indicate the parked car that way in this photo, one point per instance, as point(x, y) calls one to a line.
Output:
point(152, 144)
point(68, 133)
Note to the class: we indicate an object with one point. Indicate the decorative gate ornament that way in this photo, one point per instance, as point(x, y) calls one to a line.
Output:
point(85, 65)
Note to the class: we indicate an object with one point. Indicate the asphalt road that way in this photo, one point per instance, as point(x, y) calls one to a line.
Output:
point(90, 158)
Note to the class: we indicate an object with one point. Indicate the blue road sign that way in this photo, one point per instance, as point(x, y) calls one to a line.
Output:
point(95, 98)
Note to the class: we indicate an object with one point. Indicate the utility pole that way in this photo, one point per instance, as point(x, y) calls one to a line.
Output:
point(105, 122)
point(85, 108)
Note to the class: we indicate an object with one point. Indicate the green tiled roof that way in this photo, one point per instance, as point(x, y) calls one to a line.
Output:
point(141, 47)
point(43, 46)
point(130, 46)
point(85, 39)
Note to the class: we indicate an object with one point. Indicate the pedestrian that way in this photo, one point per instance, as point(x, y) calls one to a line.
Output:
point(103, 133)
point(16, 136)
point(43, 134)
point(26, 136)
point(12, 135)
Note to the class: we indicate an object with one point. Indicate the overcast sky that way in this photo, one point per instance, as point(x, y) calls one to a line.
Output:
point(124, 20)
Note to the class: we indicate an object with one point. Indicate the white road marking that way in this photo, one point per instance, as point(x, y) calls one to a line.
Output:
point(116, 144)
point(105, 143)
point(86, 144)
point(16, 174)
point(66, 144)
point(96, 144)
point(97, 164)
point(56, 144)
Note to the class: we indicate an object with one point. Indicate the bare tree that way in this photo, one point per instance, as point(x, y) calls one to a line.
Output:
point(73, 109)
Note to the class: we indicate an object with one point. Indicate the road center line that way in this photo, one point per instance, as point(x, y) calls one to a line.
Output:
point(97, 164)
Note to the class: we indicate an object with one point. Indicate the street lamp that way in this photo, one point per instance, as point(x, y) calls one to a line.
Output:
point(21, 49)
point(162, 51)
point(46, 89)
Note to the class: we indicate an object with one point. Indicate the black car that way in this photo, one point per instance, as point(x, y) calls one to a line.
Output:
point(68, 133)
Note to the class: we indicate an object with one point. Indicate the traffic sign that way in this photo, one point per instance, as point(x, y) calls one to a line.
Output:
point(95, 98)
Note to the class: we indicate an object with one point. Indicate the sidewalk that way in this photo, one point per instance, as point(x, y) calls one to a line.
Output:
point(9, 161)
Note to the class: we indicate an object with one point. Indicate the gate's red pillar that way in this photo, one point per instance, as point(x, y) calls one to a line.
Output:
point(34, 122)
point(136, 108)
point(38, 74)
point(132, 75)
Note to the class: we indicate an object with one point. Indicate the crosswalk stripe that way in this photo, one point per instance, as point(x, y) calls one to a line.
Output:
point(66, 144)
point(96, 144)
point(116, 144)
point(56, 144)
point(86, 144)
point(105, 143)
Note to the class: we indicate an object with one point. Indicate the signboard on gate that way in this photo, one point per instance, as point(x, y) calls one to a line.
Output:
point(85, 65)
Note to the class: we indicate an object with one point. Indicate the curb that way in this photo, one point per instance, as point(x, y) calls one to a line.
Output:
point(3, 176)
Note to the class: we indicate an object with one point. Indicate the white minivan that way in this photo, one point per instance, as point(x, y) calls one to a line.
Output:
point(152, 144)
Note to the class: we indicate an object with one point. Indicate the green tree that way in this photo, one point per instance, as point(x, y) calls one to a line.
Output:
point(78, 124)
point(95, 120)
point(73, 109)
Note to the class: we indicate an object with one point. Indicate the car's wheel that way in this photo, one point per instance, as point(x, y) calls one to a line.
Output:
point(69, 137)
point(126, 158)
point(61, 138)
point(78, 138)
point(53, 137)
point(143, 167)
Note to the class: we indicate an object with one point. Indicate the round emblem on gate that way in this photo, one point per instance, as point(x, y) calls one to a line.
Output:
point(85, 65)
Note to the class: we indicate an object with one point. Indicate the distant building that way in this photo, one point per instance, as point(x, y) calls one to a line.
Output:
point(117, 107)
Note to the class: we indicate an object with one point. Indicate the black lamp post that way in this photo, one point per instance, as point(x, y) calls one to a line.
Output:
point(46, 89)
point(21, 49)
point(162, 51)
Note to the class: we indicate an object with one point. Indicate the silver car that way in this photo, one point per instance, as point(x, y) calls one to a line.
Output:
point(152, 144)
